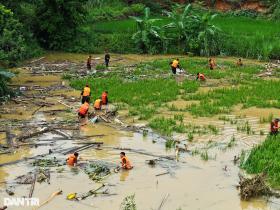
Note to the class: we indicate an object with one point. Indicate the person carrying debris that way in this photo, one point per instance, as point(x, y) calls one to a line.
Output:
point(212, 64)
point(126, 164)
point(107, 59)
point(200, 77)
point(174, 65)
point(72, 159)
point(104, 98)
point(85, 93)
point(97, 104)
point(274, 127)
point(84, 109)
point(89, 63)
point(239, 62)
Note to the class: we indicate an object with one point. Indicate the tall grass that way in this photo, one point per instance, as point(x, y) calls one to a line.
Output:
point(265, 158)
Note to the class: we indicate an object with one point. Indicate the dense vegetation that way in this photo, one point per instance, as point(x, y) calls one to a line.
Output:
point(265, 158)
point(5, 91)
point(90, 26)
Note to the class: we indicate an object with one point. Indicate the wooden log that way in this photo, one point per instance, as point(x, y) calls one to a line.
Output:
point(61, 133)
point(33, 185)
point(36, 133)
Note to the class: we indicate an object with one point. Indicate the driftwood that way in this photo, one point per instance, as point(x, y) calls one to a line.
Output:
point(145, 153)
point(162, 174)
point(61, 133)
point(254, 187)
point(36, 133)
point(91, 192)
point(49, 199)
point(33, 185)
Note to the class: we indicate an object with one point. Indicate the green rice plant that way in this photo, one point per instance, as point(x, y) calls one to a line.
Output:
point(170, 143)
point(181, 128)
point(172, 108)
point(100, 67)
point(195, 152)
point(163, 125)
point(224, 118)
point(264, 158)
point(232, 142)
point(245, 128)
point(204, 155)
point(268, 119)
point(213, 129)
point(179, 117)
point(190, 137)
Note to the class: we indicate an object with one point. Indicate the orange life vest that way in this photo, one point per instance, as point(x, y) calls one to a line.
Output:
point(72, 159)
point(201, 77)
point(104, 98)
point(84, 108)
point(86, 91)
point(175, 64)
point(126, 163)
point(97, 104)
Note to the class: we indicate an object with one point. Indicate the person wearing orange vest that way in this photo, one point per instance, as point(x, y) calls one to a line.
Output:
point(85, 93)
point(212, 63)
point(72, 159)
point(174, 65)
point(200, 76)
point(274, 127)
point(97, 104)
point(104, 98)
point(84, 109)
point(126, 164)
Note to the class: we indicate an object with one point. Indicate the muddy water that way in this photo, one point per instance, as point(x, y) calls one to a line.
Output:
point(191, 183)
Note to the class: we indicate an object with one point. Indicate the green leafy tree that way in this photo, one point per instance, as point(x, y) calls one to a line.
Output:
point(148, 37)
point(5, 76)
point(12, 42)
point(57, 22)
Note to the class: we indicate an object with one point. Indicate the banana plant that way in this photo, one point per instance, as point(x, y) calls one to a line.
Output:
point(208, 34)
point(181, 23)
point(148, 35)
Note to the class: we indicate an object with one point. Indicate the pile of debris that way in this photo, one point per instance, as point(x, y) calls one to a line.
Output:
point(44, 67)
point(270, 69)
point(253, 187)
point(98, 170)
point(47, 163)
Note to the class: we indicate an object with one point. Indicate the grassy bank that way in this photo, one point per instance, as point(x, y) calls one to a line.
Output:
point(265, 158)
point(241, 36)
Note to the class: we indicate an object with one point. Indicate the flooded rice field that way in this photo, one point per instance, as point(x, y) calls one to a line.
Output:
point(184, 180)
